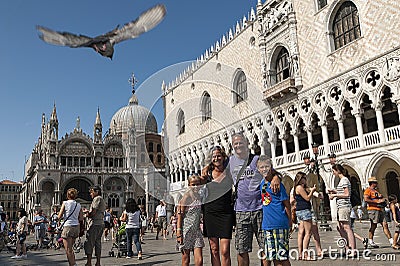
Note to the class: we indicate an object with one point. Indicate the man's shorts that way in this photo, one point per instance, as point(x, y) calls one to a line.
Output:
point(344, 214)
point(247, 225)
point(376, 217)
point(70, 231)
point(276, 244)
point(107, 225)
point(40, 233)
point(304, 215)
point(162, 222)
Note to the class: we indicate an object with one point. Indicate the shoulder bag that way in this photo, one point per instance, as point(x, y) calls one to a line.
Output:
point(235, 188)
point(62, 225)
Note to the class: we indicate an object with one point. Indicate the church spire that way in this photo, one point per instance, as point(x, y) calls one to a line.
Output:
point(54, 114)
point(53, 124)
point(98, 128)
point(132, 81)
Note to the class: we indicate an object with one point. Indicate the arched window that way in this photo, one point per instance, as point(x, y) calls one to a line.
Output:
point(113, 201)
point(206, 107)
point(181, 122)
point(240, 88)
point(158, 147)
point(282, 65)
point(321, 4)
point(346, 25)
point(151, 147)
point(159, 158)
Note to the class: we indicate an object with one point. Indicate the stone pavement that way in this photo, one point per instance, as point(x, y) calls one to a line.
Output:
point(162, 252)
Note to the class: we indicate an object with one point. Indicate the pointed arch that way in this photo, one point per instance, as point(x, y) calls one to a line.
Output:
point(239, 86)
point(180, 118)
point(206, 110)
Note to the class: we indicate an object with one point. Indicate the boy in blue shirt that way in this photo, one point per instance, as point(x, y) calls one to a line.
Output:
point(276, 213)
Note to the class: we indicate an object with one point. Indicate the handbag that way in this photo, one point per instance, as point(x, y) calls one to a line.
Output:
point(235, 188)
point(81, 228)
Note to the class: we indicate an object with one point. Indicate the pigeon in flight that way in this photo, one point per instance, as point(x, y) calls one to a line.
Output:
point(104, 44)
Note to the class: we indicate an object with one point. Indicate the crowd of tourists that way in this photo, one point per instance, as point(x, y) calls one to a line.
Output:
point(242, 192)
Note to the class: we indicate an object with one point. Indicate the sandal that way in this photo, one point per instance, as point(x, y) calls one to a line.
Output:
point(309, 258)
point(396, 247)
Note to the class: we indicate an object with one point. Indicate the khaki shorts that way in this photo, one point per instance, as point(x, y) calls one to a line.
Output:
point(70, 231)
point(376, 217)
point(344, 214)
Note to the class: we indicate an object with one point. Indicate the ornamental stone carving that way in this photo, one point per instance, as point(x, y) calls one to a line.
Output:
point(391, 69)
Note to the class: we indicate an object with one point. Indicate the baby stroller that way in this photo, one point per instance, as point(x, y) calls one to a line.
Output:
point(119, 244)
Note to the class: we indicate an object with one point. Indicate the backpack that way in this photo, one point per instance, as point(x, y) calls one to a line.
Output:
point(355, 199)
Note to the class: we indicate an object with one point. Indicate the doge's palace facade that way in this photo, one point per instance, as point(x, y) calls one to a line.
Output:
point(290, 74)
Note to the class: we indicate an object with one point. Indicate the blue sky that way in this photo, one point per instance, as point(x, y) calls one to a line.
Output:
point(34, 75)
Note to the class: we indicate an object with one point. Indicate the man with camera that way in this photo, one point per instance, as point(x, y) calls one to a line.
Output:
point(376, 204)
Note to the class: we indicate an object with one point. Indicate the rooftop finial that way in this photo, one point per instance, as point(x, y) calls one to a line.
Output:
point(132, 81)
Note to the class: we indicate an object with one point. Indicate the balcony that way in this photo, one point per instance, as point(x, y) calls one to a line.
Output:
point(371, 141)
point(280, 90)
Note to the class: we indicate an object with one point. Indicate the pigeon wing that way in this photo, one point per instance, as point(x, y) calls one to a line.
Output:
point(63, 38)
point(145, 22)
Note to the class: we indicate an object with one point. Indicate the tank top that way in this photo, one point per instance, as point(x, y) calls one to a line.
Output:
point(69, 207)
point(133, 219)
point(301, 204)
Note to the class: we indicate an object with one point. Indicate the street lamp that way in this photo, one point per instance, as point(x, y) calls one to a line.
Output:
point(324, 224)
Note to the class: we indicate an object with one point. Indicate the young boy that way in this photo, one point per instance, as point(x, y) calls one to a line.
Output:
point(276, 213)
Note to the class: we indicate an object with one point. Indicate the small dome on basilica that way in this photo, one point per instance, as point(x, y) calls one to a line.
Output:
point(133, 116)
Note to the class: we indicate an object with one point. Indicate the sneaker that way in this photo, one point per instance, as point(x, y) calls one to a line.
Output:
point(16, 257)
point(365, 243)
point(373, 245)
point(128, 257)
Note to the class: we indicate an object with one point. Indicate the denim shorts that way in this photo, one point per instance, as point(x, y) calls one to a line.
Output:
point(304, 215)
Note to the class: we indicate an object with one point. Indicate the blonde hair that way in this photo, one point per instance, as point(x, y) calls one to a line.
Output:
point(72, 193)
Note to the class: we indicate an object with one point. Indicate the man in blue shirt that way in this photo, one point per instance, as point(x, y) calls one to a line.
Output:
point(276, 213)
point(248, 206)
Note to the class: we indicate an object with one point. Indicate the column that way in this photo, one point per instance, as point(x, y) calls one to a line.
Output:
point(310, 140)
point(296, 145)
point(342, 136)
point(272, 143)
point(381, 127)
point(325, 138)
point(284, 148)
point(359, 129)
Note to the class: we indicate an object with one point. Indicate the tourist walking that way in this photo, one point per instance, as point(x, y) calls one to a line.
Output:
point(95, 217)
point(218, 211)
point(189, 235)
point(22, 230)
point(248, 206)
point(276, 221)
point(107, 223)
point(39, 221)
point(161, 218)
point(131, 216)
point(395, 209)
point(375, 206)
point(71, 213)
point(342, 196)
point(303, 213)
point(143, 219)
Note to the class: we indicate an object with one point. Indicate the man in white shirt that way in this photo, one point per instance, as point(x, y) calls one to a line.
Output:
point(161, 217)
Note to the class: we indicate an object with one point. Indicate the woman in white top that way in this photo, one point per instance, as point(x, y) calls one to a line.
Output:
point(131, 216)
point(72, 213)
point(342, 195)
point(22, 229)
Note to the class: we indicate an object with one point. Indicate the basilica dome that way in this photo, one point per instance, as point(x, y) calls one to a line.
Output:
point(133, 116)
